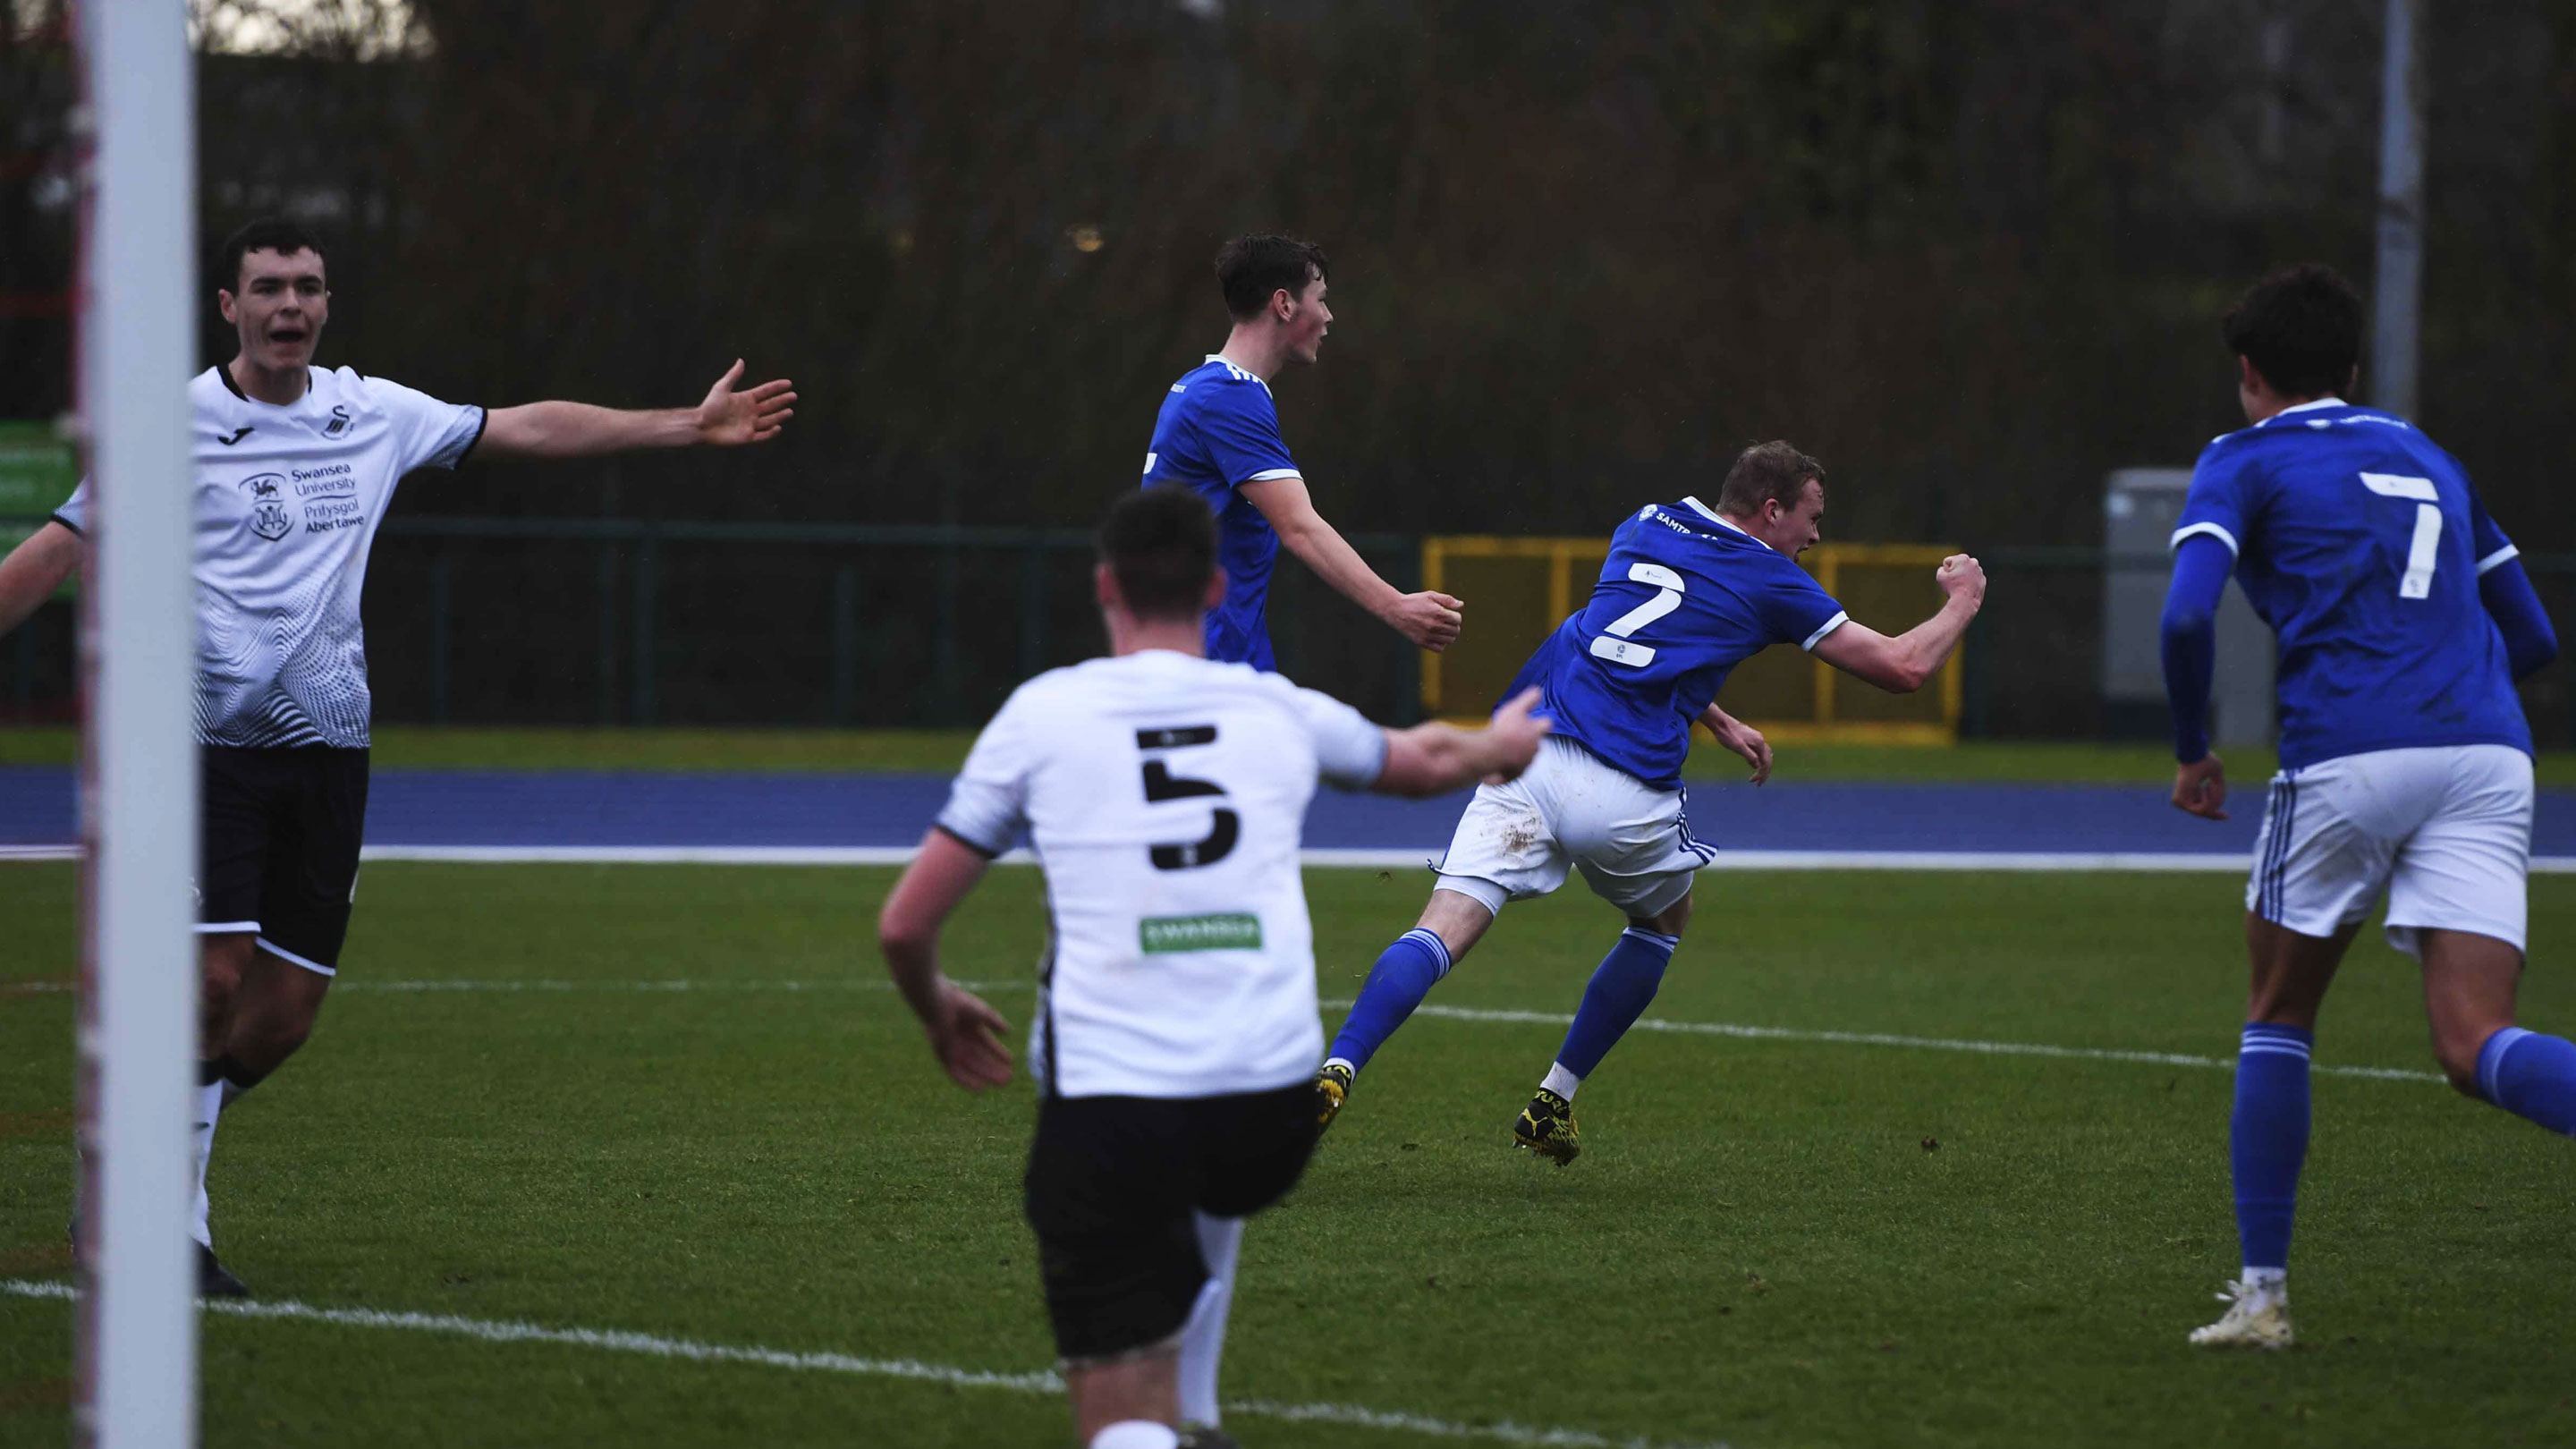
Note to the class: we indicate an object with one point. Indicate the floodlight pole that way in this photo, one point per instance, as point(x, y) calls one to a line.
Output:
point(137, 1326)
point(2397, 317)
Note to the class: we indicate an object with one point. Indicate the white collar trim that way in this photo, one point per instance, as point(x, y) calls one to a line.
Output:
point(1720, 519)
point(1239, 367)
point(2323, 402)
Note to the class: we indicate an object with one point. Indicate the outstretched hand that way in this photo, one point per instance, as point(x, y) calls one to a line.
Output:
point(754, 415)
point(966, 1034)
point(2200, 788)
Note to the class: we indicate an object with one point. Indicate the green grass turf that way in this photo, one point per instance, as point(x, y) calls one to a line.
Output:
point(942, 751)
point(1759, 1245)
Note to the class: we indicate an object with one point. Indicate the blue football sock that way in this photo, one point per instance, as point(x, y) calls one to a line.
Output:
point(2531, 1076)
point(1622, 986)
point(1396, 984)
point(2268, 1138)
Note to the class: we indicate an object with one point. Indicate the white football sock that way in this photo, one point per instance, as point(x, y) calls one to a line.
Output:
point(1560, 1081)
point(2273, 1284)
point(201, 1143)
point(1136, 1434)
point(1203, 1336)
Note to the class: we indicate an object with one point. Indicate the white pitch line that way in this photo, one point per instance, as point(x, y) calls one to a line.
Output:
point(826, 855)
point(442, 988)
point(855, 983)
point(1737, 1030)
point(2008, 862)
point(655, 1346)
point(2011, 862)
point(2117, 862)
point(1924, 1043)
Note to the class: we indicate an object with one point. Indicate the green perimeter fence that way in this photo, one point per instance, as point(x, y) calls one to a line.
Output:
point(624, 621)
point(526, 621)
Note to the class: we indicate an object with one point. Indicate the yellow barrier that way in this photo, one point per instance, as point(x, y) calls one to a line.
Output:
point(1518, 589)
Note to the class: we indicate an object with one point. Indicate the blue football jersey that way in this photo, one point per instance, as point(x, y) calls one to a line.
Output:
point(2361, 543)
point(1218, 431)
point(1683, 598)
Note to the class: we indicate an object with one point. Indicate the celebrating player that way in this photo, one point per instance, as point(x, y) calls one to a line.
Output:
point(294, 468)
point(1218, 435)
point(2403, 621)
point(1176, 1021)
point(1687, 593)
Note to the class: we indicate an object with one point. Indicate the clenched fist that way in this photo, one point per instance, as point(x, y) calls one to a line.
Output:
point(1429, 619)
point(1960, 575)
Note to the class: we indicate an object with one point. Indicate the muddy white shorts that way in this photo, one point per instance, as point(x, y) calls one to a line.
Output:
point(1569, 809)
point(2444, 833)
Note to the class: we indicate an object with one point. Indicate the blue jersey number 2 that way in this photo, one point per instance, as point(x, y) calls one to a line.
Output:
point(1616, 642)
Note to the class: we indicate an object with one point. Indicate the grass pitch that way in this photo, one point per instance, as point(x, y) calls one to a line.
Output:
point(1767, 1243)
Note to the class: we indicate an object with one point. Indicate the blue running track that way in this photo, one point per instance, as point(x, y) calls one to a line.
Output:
point(494, 814)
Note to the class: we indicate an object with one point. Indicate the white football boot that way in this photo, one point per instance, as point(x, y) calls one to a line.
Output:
point(2256, 1318)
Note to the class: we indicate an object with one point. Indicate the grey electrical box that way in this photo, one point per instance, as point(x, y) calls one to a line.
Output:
point(2139, 509)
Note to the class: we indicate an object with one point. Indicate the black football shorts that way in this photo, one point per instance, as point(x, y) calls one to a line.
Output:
point(1111, 1185)
point(282, 828)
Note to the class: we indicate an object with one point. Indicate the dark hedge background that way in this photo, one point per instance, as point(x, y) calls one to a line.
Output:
point(1970, 254)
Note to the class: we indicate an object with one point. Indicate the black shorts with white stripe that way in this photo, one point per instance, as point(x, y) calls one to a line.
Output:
point(281, 834)
point(1111, 1187)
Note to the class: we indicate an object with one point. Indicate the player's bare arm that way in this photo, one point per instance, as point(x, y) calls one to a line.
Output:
point(1739, 739)
point(1430, 619)
point(1905, 663)
point(728, 417)
point(34, 569)
point(965, 1033)
point(1436, 758)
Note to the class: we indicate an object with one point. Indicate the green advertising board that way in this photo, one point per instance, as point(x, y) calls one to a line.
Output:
point(38, 470)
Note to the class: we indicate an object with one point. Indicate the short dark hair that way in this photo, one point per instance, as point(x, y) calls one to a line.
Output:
point(1774, 472)
point(1161, 544)
point(268, 234)
point(2301, 328)
point(1253, 269)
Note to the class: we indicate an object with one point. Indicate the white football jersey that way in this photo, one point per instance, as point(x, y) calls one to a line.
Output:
point(1165, 797)
point(287, 502)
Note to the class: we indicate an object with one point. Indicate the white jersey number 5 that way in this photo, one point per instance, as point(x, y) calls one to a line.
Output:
point(2425, 549)
point(1616, 643)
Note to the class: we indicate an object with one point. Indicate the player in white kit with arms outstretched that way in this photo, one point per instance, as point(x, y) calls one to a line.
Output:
point(1177, 1029)
point(294, 467)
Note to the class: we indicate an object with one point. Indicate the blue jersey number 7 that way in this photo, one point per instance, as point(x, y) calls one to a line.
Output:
point(2424, 550)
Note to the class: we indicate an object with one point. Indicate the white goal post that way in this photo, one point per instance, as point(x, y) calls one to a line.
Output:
point(137, 1334)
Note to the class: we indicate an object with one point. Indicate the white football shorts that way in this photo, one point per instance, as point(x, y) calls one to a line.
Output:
point(2444, 833)
point(1517, 841)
